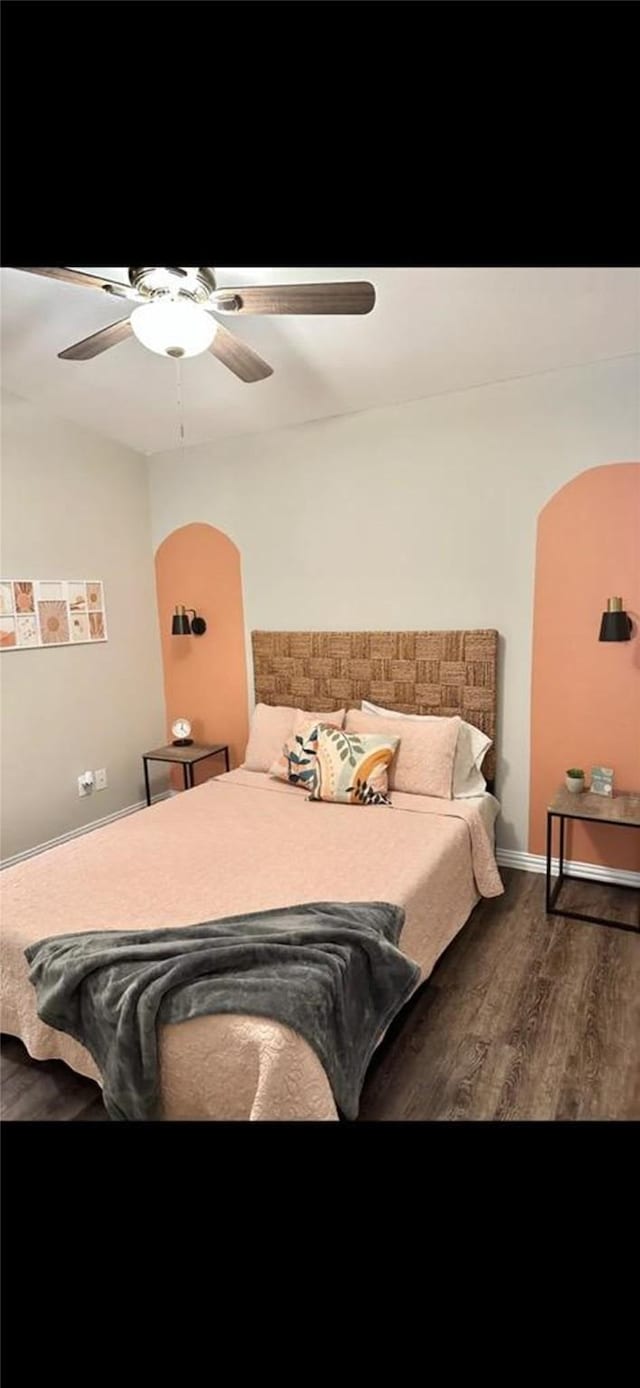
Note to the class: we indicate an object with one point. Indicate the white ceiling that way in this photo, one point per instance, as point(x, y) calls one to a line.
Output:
point(431, 331)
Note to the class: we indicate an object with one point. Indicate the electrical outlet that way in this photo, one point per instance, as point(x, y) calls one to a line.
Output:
point(101, 779)
point(85, 783)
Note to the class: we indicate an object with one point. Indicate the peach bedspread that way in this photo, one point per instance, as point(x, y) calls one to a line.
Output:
point(241, 842)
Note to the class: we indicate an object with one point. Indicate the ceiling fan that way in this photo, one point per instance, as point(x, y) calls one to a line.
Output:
point(174, 306)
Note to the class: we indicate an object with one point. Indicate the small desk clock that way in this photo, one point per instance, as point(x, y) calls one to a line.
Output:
point(181, 730)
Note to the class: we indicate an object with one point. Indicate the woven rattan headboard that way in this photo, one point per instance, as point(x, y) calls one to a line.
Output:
point(442, 672)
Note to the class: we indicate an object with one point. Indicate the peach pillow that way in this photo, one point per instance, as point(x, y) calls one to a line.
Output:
point(471, 748)
point(272, 725)
point(334, 719)
point(423, 764)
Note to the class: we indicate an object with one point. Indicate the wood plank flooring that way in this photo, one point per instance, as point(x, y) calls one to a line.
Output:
point(524, 1017)
point(44, 1089)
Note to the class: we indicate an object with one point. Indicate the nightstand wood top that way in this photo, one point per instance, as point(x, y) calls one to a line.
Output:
point(185, 754)
point(608, 809)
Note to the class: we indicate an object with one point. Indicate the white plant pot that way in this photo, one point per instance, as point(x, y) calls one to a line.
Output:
point(575, 784)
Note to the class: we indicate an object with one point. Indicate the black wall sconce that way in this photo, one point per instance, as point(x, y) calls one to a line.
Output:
point(181, 626)
point(615, 624)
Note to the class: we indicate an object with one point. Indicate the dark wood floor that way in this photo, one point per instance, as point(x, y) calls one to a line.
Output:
point(524, 1017)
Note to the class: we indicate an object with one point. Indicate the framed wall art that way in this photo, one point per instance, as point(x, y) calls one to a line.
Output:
point(36, 612)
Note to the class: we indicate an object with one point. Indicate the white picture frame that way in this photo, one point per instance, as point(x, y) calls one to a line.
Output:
point(40, 613)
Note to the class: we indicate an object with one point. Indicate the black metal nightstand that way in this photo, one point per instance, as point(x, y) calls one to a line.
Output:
point(184, 756)
point(623, 810)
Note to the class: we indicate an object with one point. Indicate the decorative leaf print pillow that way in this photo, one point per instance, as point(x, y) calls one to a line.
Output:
point(296, 763)
point(352, 768)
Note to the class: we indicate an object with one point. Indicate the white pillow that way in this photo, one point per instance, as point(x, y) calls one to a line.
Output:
point(471, 747)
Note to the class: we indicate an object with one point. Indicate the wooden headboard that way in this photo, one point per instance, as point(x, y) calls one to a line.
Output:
point(441, 672)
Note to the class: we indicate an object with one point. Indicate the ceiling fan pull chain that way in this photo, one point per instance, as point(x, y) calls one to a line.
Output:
point(180, 400)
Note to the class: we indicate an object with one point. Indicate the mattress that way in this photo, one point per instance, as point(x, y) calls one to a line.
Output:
point(243, 842)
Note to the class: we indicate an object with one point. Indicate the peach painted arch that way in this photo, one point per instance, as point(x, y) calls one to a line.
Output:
point(205, 677)
point(585, 695)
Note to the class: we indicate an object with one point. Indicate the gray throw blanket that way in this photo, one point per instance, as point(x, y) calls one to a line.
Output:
point(329, 970)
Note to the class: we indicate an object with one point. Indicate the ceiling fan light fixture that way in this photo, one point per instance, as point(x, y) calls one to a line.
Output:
point(173, 328)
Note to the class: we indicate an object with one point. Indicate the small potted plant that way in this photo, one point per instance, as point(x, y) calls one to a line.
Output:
point(574, 779)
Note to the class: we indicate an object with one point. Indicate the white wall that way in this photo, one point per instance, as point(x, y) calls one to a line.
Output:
point(76, 506)
point(420, 515)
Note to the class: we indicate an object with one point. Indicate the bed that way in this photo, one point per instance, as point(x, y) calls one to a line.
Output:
point(246, 842)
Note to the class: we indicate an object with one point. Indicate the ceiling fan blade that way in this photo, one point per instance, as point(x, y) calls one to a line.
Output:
point(98, 342)
point(356, 296)
point(61, 272)
point(240, 358)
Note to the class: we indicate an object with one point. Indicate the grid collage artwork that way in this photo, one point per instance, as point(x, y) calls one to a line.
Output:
point(51, 612)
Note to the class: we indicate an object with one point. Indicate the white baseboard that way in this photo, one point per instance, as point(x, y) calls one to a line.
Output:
point(536, 862)
point(84, 829)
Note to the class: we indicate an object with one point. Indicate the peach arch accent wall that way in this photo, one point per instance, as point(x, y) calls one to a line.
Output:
point(205, 677)
point(585, 697)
